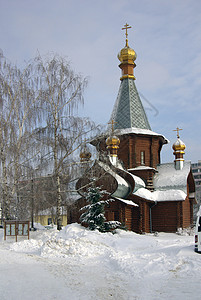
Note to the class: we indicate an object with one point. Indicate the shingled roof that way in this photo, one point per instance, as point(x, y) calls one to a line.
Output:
point(128, 110)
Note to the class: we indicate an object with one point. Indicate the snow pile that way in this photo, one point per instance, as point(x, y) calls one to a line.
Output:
point(75, 240)
point(76, 263)
point(186, 231)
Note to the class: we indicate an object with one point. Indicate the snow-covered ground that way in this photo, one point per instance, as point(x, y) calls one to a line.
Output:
point(76, 263)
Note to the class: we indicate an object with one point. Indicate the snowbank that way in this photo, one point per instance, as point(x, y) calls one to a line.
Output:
point(76, 263)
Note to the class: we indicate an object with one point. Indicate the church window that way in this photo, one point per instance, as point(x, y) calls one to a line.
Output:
point(142, 157)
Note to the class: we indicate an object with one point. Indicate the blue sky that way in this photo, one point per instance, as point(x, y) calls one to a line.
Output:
point(166, 35)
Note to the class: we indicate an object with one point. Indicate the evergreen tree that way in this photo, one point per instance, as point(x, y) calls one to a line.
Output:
point(94, 213)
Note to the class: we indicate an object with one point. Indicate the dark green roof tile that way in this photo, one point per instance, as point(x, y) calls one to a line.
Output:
point(128, 110)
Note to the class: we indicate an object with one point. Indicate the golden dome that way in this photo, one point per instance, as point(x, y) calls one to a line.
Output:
point(179, 145)
point(85, 154)
point(127, 54)
point(113, 142)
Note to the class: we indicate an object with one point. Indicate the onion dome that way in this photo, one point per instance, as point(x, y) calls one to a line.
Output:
point(127, 54)
point(112, 142)
point(179, 145)
point(179, 148)
point(85, 154)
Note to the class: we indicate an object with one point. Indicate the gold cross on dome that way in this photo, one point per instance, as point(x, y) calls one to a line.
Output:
point(112, 123)
point(177, 129)
point(126, 27)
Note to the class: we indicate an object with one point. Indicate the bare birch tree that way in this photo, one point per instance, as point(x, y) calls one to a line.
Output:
point(39, 126)
point(61, 91)
point(18, 116)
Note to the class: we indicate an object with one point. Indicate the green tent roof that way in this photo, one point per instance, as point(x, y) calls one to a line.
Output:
point(128, 110)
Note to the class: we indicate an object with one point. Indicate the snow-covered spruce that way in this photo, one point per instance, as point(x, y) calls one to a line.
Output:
point(94, 213)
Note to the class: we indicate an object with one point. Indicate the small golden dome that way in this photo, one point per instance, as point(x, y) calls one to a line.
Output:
point(127, 54)
point(85, 154)
point(179, 145)
point(113, 142)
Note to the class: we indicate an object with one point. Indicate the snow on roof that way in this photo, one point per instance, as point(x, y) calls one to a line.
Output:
point(199, 211)
point(192, 195)
point(159, 196)
point(170, 184)
point(131, 130)
point(51, 211)
point(170, 178)
point(119, 179)
point(142, 168)
point(139, 131)
point(138, 180)
point(129, 202)
point(123, 186)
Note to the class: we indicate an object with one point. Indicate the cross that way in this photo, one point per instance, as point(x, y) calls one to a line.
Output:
point(112, 123)
point(177, 129)
point(126, 27)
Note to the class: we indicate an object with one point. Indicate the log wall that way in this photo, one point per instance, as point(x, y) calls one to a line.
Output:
point(164, 217)
point(186, 211)
point(131, 147)
point(186, 207)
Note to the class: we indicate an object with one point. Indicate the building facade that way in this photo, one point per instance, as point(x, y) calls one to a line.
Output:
point(196, 169)
point(147, 195)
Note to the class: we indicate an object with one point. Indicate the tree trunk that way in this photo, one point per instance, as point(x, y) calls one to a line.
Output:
point(5, 198)
point(59, 213)
point(58, 185)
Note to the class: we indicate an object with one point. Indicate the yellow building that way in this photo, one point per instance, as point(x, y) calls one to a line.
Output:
point(48, 216)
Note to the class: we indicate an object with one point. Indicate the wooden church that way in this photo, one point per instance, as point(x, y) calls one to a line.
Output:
point(147, 195)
